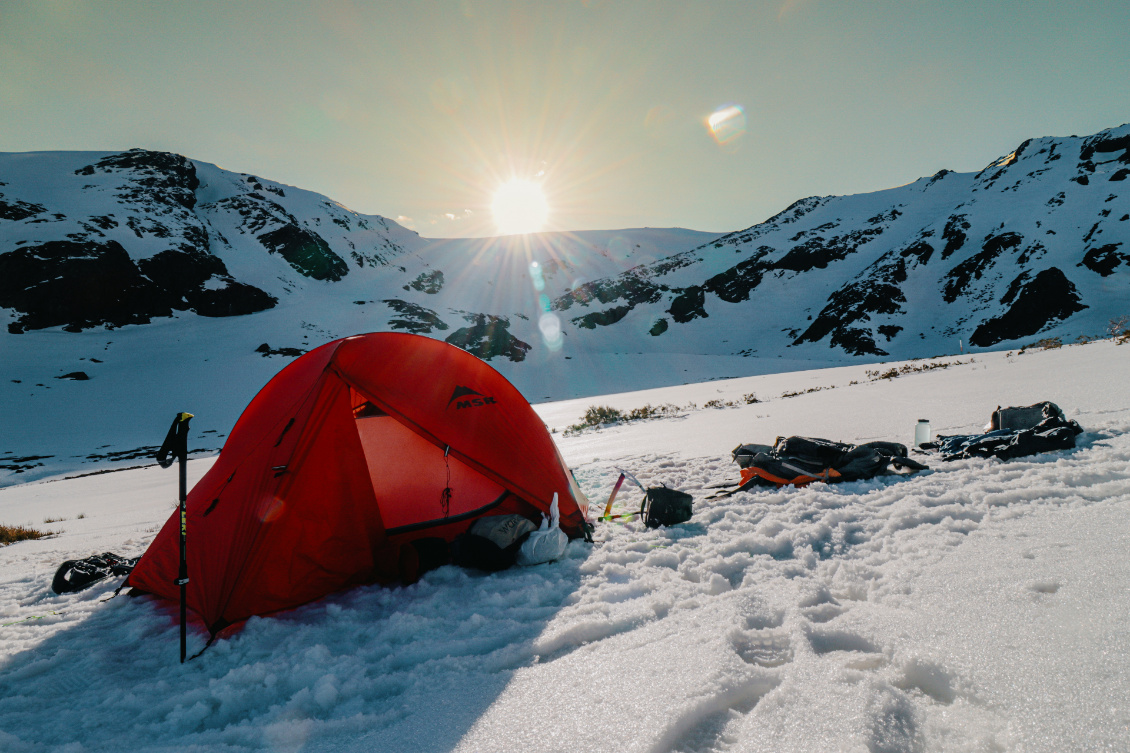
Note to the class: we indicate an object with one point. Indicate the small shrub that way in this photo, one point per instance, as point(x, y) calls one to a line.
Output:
point(1119, 329)
point(750, 399)
point(82, 515)
point(53, 520)
point(602, 414)
point(1049, 343)
point(12, 534)
point(715, 403)
point(803, 392)
point(909, 368)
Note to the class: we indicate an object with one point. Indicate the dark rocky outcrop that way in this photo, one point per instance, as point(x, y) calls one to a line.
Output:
point(1104, 259)
point(306, 251)
point(1104, 144)
point(427, 282)
point(1035, 303)
point(876, 292)
point(267, 350)
point(184, 276)
point(818, 253)
point(156, 177)
point(488, 337)
point(736, 283)
point(958, 278)
point(413, 318)
point(688, 305)
point(602, 318)
point(77, 285)
point(954, 234)
point(630, 287)
point(920, 251)
point(19, 210)
point(81, 284)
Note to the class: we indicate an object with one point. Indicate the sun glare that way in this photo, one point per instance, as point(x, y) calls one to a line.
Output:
point(519, 207)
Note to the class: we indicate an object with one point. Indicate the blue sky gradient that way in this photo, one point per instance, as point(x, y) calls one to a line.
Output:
point(419, 110)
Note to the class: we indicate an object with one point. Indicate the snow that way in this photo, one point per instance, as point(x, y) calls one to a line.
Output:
point(979, 606)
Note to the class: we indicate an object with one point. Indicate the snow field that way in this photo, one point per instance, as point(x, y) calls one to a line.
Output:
point(979, 606)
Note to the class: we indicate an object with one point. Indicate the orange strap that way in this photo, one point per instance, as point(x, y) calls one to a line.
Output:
point(748, 474)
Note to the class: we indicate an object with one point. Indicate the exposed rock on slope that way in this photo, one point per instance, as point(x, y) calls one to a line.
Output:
point(1031, 244)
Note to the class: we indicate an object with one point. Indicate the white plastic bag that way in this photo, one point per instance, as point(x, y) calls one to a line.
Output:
point(548, 542)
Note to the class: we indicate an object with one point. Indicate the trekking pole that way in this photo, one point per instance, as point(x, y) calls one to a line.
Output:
point(175, 446)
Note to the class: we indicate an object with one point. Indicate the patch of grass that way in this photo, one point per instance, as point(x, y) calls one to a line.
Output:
point(80, 516)
point(750, 399)
point(910, 368)
point(48, 520)
point(805, 392)
point(597, 416)
point(12, 534)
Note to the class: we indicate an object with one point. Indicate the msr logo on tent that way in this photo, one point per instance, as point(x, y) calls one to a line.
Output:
point(465, 397)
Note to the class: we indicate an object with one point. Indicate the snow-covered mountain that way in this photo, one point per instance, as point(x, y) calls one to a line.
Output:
point(137, 284)
point(1037, 243)
point(91, 240)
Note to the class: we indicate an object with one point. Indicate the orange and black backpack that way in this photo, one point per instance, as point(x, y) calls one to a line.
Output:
point(799, 461)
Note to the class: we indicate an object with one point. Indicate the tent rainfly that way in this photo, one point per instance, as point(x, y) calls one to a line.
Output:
point(342, 460)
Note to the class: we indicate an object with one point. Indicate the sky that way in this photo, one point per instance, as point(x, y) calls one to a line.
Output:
point(421, 111)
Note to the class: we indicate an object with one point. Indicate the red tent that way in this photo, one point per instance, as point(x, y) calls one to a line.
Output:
point(348, 454)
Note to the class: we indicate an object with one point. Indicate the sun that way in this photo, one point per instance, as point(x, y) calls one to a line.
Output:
point(519, 207)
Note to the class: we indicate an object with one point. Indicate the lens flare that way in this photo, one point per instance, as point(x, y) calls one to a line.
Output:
point(727, 123)
point(520, 207)
point(537, 276)
point(550, 327)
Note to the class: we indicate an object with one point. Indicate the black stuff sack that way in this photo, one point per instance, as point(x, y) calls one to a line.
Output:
point(492, 542)
point(75, 575)
point(666, 507)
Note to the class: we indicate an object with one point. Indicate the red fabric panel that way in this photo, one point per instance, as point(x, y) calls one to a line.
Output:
point(454, 399)
point(409, 475)
point(275, 540)
point(316, 526)
point(221, 505)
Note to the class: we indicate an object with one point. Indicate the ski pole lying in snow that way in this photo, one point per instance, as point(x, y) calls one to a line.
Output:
point(175, 447)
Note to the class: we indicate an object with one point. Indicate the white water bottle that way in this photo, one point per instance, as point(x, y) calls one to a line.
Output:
point(922, 432)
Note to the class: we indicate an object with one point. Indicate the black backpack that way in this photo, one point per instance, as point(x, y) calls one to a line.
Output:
point(75, 575)
point(798, 461)
point(665, 507)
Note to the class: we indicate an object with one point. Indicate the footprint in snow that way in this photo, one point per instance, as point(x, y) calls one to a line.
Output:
point(712, 724)
point(821, 607)
point(763, 648)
